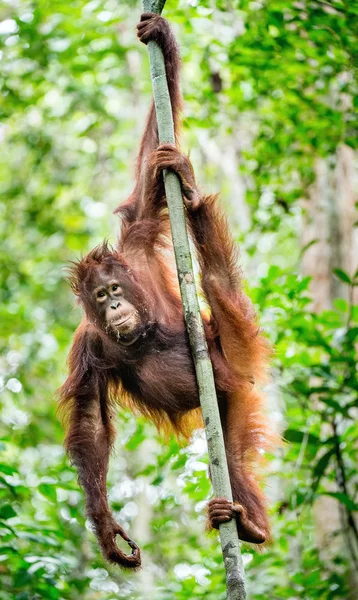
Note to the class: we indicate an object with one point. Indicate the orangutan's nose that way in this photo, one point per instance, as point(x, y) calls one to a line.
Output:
point(115, 304)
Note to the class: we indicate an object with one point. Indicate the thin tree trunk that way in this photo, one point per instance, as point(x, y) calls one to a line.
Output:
point(204, 373)
point(330, 218)
point(330, 221)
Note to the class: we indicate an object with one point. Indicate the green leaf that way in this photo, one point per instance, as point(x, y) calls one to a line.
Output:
point(158, 480)
point(343, 499)
point(179, 462)
point(6, 512)
point(307, 246)
point(4, 483)
point(321, 466)
point(341, 304)
point(137, 438)
point(297, 437)
point(7, 549)
point(49, 491)
point(7, 469)
point(342, 275)
point(335, 406)
point(352, 334)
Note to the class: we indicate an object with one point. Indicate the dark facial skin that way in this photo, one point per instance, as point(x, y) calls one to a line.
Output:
point(119, 315)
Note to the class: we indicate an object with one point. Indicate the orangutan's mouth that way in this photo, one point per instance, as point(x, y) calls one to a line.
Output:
point(121, 322)
point(129, 333)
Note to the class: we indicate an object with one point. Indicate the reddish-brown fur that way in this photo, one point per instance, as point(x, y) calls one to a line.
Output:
point(155, 375)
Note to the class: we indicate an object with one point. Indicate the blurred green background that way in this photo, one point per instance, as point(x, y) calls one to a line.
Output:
point(271, 121)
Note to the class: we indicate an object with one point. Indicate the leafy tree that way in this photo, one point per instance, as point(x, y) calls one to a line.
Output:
point(277, 84)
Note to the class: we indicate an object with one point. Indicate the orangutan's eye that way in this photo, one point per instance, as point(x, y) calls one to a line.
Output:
point(101, 295)
point(116, 288)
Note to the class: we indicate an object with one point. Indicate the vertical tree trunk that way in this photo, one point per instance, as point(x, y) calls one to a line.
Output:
point(330, 218)
point(204, 373)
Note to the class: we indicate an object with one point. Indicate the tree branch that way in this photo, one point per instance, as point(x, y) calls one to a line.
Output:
point(204, 373)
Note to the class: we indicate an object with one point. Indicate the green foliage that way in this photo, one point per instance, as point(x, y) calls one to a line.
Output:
point(74, 89)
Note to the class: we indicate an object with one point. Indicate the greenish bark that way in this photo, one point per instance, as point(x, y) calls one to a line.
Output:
point(204, 372)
